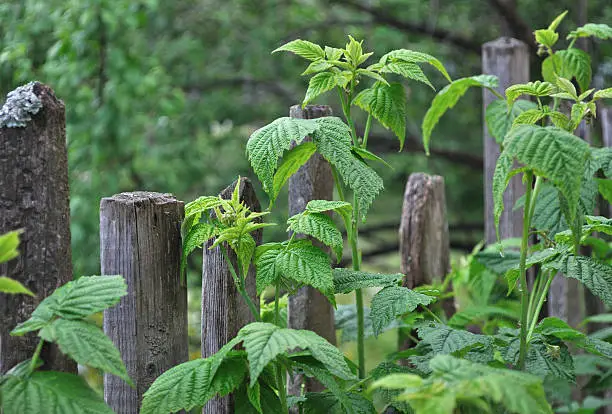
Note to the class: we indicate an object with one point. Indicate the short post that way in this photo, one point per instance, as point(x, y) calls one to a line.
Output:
point(508, 59)
point(309, 309)
point(423, 235)
point(224, 311)
point(140, 239)
point(34, 196)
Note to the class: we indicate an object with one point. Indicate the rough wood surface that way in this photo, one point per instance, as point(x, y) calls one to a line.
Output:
point(140, 239)
point(224, 311)
point(508, 59)
point(34, 196)
point(309, 309)
point(423, 236)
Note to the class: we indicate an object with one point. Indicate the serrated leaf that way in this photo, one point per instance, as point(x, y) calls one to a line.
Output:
point(267, 145)
point(193, 383)
point(600, 31)
point(198, 206)
point(326, 402)
point(341, 207)
point(50, 392)
point(546, 37)
point(393, 301)
point(8, 285)
point(551, 153)
point(254, 395)
point(552, 67)
point(411, 56)
point(387, 103)
point(595, 275)
point(291, 163)
point(536, 88)
point(555, 23)
point(334, 143)
point(303, 48)
point(346, 280)
point(198, 235)
point(333, 53)
point(8, 245)
point(480, 313)
point(374, 75)
point(264, 342)
point(445, 340)
point(87, 345)
point(319, 226)
point(603, 94)
point(323, 82)
point(407, 70)
point(566, 86)
point(499, 119)
point(299, 261)
point(529, 117)
point(447, 98)
point(577, 64)
point(76, 300)
point(365, 154)
point(316, 67)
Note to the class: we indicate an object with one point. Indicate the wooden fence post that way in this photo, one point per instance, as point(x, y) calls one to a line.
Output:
point(224, 311)
point(34, 196)
point(508, 59)
point(309, 309)
point(140, 239)
point(423, 235)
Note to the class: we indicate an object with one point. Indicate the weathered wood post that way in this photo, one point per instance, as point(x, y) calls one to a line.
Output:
point(309, 309)
point(224, 311)
point(423, 235)
point(34, 196)
point(140, 239)
point(508, 59)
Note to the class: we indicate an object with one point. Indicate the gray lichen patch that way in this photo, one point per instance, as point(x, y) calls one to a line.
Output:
point(19, 107)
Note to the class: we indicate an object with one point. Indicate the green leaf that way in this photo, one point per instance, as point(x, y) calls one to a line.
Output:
point(605, 188)
point(365, 154)
point(601, 318)
point(334, 143)
point(555, 23)
point(8, 245)
point(529, 117)
point(473, 314)
point(50, 392)
point(299, 261)
point(499, 119)
point(546, 37)
point(392, 302)
point(448, 97)
point(333, 53)
point(341, 207)
point(8, 285)
point(316, 67)
point(387, 103)
point(303, 48)
point(326, 402)
point(577, 64)
point(76, 300)
point(595, 275)
point(411, 56)
point(201, 205)
point(323, 82)
point(600, 31)
point(353, 51)
point(603, 94)
point(407, 70)
point(254, 394)
point(551, 153)
point(346, 281)
point(445, 340)
point(319, 226)
point(267, 145)
point(536, 88)
point(193, 383)
point(199, 234)
point(292, 161)
point(374, 75)
point(264, 342)
point(87, 345)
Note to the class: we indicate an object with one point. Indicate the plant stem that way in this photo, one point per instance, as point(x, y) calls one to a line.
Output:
point(280, 384)
point(523, 270)
point(433, 315)
point(358, 293)
point(276, 307)
point(366, 132)
point(240, 286)
point(542, 297)
point(36, 355)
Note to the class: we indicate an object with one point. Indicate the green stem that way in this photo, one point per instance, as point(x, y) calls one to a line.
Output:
point(523, 270)
point(276, 306)
point(433, 315)
point(240, 286)
point(358, 295)
point(366, 132)
point(499, 95)
point(36, 355)
point(542, 298)
point(280, 384)
point(532, 297)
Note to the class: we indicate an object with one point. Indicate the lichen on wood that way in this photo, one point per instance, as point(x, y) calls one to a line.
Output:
point(19, 107)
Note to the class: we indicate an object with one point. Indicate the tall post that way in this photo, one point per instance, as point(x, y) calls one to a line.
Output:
point(423, 236)
point(508, 59)
point(224, 311)
point(34, 196)
point(309, 309)
point(140, 239)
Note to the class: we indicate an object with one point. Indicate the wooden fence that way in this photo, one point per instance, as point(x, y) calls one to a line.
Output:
point(140, 239)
